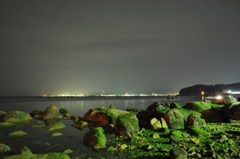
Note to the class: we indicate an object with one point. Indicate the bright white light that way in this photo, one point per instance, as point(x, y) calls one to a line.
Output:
point(219, 97)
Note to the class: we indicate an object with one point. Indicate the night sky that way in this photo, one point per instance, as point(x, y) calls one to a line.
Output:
point(134, 46)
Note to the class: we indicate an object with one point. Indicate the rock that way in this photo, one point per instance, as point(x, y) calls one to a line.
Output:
point(155, 136)
point(178, 153)
point(96, 118)
point(174, 119)
point(214, 115)
point(127, 122)
point(4, 148)
point(17, 133)
point(132, 110)
point(155, 124)
point(2, 115)
point(36, 114)
point(123, 146)
point(95, 138)
point(157, 106)
point(68, 151)
point(80, 125)
point(57, 134)
point(112, 107)
point(164, 123)
point(6, 124)
point(17, 116)
point(195, 121)
point(144, 118)
point(63, 111)
point(232, 111)
point(51, 112)
point(198, 106)
point(54, 124)
point(175, 105)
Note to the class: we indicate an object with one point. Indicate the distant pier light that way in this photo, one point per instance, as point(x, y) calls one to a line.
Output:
point(202, 92)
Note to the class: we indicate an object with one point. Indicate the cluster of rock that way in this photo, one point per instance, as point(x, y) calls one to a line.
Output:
point(158, 116)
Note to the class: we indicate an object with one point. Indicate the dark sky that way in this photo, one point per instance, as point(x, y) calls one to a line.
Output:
point(132, 46)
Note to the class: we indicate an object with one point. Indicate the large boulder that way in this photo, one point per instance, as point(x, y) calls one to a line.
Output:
point(17, 116)
point(102, 116)
point(51, 112)
point(95, 138)
point(195, 121)
point(232, 111)
point(144, 118)
point(214, 115)
point(127, 122)
point(174, 119)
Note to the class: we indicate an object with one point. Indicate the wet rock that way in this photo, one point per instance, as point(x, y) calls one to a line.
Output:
point(96, 118)
point(51, 112)
point(67, 151)
point(4, 148)
point(2, 115)
point(155, 136)
point(54, 124)
point(127, 122)
point(80, 125)
point(178, 153)
point(195, 121)
point(63, 111)
point(95, 138)
point(17, 133)
point(174, 119)
point(57, 134)
point(17, 116)
point(123, 146)
point(36, 114)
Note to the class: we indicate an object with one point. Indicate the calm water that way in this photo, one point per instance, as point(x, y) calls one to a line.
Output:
point(41, 141)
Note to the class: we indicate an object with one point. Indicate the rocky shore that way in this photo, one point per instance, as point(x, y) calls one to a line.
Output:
point(164, 130)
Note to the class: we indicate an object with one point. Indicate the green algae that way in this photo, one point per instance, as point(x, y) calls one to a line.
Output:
point(4, 148)
point(17, 133)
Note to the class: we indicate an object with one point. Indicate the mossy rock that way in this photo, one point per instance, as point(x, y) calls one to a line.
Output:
point(17, 116)
point(4, 148)
point(55, 126)
point(55, 134)
point(195, 121)
point(51, 112)
point(63, 111)
point(156, 106)
point(95, 138)
point(174, 119)
point(127, 122)
point(175, 105)
point(17, 133)
point(198, 106)
point(178, 153)
point(6, 124)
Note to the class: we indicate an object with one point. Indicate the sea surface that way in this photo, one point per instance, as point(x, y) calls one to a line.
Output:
point(40, 141)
